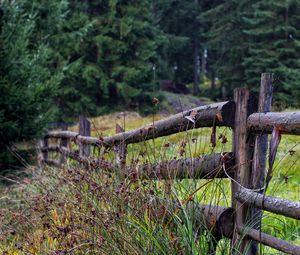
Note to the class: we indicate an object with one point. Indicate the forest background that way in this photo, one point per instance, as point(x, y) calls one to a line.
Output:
point(63, 58)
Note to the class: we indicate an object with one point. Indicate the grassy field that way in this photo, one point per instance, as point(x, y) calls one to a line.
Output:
point(74, 211)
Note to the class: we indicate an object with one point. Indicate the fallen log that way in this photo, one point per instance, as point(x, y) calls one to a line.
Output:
point(271, 204)
point(269, 240)
point(218, 114)
point(286, 122)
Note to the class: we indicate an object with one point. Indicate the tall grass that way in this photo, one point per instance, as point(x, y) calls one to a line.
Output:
point(73, 210)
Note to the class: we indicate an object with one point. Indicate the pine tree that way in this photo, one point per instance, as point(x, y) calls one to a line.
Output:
point(27, 83)
point(126, 45)
point(179, 22)
point(274, 46)
point(226, 39)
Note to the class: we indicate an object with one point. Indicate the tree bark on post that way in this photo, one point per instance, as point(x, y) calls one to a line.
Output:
point(63, 143)
point(243, 152)
point(84, 130)
point(260, 153)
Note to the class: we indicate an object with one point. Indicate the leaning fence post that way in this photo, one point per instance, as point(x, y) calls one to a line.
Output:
point(84, 130)
point(120, 149)
point(260, 153)
point(243, 152)
point(63, 143)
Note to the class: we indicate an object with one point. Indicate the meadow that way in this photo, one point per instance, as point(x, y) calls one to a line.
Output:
point(73, 210)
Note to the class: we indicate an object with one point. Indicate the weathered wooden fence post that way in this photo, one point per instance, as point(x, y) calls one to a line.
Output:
point(243, 152)
point(84, 130)
point(39, 153)
point(121, 149)
point(63, 143)
point(260, 154)
point(45, 149)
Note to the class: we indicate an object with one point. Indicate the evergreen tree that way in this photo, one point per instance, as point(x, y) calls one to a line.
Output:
point(27, 84)
point(226, 39)
point(179, 21)
point(113, 63)
point(273, 42)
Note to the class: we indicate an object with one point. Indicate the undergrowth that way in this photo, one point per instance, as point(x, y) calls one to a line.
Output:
point(73, 210)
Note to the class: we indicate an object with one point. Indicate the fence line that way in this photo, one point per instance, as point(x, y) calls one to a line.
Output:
point(245, 166)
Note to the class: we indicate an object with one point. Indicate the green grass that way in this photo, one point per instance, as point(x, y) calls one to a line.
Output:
point(74, 211)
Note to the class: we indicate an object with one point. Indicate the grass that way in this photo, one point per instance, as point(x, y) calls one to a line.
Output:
point(74, 211)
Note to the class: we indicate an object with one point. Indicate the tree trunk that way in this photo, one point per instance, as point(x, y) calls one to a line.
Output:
point(196, 68)
point(213, 80)
point(196, 89)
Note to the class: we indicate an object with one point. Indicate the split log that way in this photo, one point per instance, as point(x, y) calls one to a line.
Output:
point(286, 122)
point(260, 154)
point(270, 241)
point(219, 114)
point(271, 204)
point(243, 153)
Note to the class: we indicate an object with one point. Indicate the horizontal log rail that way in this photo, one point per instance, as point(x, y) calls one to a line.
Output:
point(89, 161)
point(204, 167)
point(286, 122)
point(218, 114)
point(269, 240)
point(271, 204)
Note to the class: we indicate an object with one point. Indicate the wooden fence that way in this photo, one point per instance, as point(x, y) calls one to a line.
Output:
point(251, 121)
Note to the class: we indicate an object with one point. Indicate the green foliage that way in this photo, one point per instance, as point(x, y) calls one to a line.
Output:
point(27, 83)
point(255, 37)
point(178, 20)
point(273, 40)
point(114, 60)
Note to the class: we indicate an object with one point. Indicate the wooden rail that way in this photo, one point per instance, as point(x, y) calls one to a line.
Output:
point(271, 204)
point(269, 240)
point(257, 178)
point(245, 165)
point(215, 165)
point(286, 122)
point(219, 114)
